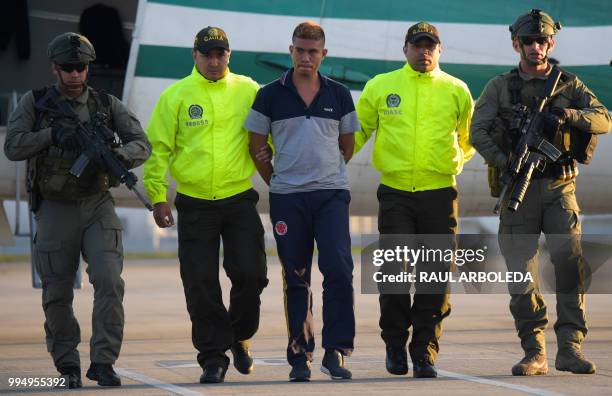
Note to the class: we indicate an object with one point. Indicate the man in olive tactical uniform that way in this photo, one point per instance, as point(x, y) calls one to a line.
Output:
point(570, 121)
point(75, 215)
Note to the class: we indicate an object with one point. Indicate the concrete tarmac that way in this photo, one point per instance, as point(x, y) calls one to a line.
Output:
point(478, 346)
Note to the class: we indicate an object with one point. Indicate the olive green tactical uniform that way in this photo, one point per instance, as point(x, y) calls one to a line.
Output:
point(549, 206)
point(76, 216)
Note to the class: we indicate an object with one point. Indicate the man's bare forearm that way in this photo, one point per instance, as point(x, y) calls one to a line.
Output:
point(264, 167)
point(347, 146)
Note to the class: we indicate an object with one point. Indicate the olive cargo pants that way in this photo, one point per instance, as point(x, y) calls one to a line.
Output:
point(549, 207)
point(65, 229)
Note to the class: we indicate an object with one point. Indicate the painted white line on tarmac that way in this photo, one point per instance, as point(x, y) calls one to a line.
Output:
point(521, 388)
point(256, 362)
point(178, 390)
point(450, 374)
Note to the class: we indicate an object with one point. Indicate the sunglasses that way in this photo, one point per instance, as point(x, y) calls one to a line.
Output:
point(530, 40)
point(70, 67)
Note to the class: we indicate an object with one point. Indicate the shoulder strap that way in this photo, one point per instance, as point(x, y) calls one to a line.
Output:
point(565, 80)
point(515, 84)
point(566, 76)
point(102, 97)
point(38, 95)
point(101, 102)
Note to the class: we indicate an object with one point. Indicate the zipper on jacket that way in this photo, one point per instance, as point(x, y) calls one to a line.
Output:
point(416, 117)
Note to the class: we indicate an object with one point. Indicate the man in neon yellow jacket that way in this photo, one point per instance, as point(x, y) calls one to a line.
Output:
point(421, 116)
point(196, 130)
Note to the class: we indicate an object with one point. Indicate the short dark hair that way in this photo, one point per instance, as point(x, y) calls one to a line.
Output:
point(309, 30)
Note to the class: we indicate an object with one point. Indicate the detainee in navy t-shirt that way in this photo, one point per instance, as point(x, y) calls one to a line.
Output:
point(312, 121)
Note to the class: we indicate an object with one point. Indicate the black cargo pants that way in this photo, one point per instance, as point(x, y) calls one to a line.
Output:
point(201, 226)
point(420, 212)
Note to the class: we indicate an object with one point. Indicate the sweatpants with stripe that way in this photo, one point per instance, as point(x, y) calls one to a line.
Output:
point(300, 219)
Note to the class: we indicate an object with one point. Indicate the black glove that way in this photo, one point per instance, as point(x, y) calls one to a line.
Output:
point(553, 121)
point(559, 112)
point(65, 138)
point(121, 154)
point(566, 168)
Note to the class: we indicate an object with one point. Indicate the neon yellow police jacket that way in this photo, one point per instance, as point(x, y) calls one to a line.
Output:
point(422, 124)
point(196, 130)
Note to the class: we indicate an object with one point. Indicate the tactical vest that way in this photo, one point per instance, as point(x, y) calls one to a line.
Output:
point(49, 172)
point(574, 144)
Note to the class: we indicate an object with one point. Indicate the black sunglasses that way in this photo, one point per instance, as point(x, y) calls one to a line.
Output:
point(70, 67)
point(530, 40)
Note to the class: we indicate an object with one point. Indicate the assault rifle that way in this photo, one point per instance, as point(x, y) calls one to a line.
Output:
point(94, 139)
point(533, 151)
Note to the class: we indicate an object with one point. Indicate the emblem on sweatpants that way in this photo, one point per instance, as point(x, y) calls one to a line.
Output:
point(280, 227)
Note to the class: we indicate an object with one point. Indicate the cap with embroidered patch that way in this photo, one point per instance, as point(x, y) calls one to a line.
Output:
point(209, 38)
point(420, 30)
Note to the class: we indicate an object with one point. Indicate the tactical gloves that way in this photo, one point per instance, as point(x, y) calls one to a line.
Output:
point(553, 120)
point(566, 168)
point(65, 138)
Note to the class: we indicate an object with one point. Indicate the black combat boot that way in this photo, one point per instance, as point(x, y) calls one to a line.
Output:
point(397, 360)
point(104, 374)
point(72, 377)
point(243, 361)
point(213, 374)
point(424, 368)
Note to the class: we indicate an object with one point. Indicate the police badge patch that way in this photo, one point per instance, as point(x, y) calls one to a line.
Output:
point(196, 111)
point(393, 100)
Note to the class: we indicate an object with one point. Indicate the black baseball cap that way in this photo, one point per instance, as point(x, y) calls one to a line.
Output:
point(420, 30)
point(210, 37)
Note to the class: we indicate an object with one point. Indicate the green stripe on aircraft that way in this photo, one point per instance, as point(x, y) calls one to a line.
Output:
point(569, 12)
point(265, 67)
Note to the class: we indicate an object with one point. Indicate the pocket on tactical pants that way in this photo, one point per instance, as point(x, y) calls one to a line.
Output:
point(46, 254)
point(569, 220)
point(57, 275)
point(569, 202)
point(112, 234)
